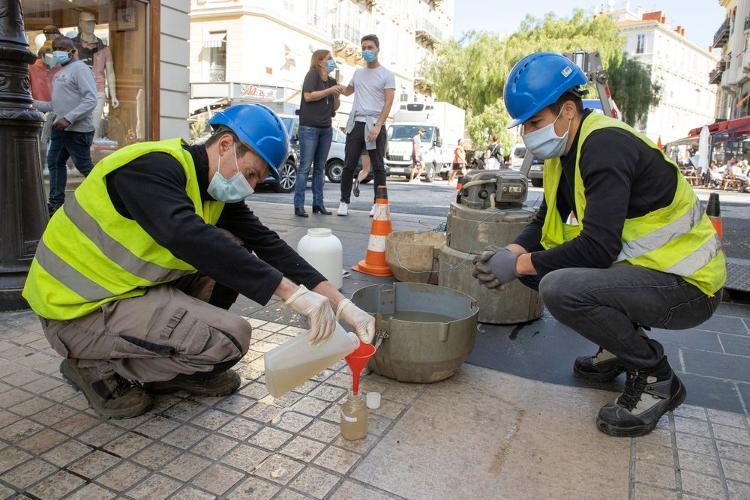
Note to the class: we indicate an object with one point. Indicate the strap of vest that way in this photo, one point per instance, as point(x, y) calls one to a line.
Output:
point(68, 275)
point(114, 250)
point(662, 236)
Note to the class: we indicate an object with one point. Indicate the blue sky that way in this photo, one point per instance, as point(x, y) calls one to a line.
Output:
point(701, 18)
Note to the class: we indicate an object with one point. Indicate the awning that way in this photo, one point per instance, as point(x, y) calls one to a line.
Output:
point(214, 40)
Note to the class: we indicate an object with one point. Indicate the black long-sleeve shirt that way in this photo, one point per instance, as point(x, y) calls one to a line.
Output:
point(151, 191)
point(623, 178)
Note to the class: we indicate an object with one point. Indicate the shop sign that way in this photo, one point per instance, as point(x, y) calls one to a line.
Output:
point(247, 90)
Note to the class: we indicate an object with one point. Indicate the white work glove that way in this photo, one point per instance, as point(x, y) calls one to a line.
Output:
point(362, 322)
point(317, 309)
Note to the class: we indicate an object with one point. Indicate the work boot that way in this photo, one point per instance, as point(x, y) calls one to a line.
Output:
point(200, 384)
point(110, 396)
point(602, 367)
point(647, 396)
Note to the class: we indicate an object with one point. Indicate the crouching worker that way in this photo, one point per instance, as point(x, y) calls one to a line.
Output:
point(132, 279)
point(619, 244)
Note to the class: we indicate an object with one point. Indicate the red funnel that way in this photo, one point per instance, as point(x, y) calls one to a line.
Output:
point(357, 361)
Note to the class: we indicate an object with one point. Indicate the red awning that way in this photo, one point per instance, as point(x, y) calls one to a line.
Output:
point(738, 125)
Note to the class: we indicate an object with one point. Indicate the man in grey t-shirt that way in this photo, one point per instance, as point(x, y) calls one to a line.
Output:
point(73, 103)
point(374, 88)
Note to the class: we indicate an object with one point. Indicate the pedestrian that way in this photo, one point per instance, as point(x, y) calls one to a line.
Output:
point(73, 102)
point(417, 163)
point(459, 161)
point(620, 244)
point(133, 277)
point(374, 87)
point(494, 159)
point(319, 102)
point(40, 76)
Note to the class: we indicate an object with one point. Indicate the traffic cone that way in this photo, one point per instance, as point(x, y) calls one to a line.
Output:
point(713, 210)
point(374, 262)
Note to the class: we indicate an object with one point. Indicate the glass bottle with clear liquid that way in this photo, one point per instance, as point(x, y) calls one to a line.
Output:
point(354, 418)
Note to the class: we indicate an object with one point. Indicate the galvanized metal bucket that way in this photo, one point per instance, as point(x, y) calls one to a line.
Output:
point(416, 351)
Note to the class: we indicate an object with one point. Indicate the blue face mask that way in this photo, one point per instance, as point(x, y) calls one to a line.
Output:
point(231, 190)
point(545, 143)
point(331, 65)
point(49, 60)
point(369, 56)
point(61, 56)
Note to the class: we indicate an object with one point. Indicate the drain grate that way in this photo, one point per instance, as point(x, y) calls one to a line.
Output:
point(738, 275)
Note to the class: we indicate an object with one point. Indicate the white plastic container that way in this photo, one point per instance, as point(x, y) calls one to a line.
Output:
point(323, 250)
point(293, 363)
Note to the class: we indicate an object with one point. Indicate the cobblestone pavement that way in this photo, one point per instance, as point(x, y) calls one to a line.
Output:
point(250, 445)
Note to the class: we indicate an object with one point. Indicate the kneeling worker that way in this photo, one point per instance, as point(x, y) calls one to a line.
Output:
point(132, 279)
point(619, 244)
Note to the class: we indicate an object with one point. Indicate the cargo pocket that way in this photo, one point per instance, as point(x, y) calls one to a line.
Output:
point(52, 333)
point(185, 333)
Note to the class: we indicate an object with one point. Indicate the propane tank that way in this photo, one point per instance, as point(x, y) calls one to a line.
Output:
point(323, 250)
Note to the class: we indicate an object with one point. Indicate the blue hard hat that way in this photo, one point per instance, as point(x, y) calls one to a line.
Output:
point(537, 81)
point(258, 127)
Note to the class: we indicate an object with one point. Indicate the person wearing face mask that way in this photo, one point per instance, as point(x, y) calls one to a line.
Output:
point(134, 276)
point(40, 75)
point(72, 103)
point(620, 243)
point(319, 102)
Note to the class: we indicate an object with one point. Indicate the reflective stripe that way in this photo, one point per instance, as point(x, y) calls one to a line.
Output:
point(69, 276)
point(662, 236)
point(697, 259)
point(115, 250)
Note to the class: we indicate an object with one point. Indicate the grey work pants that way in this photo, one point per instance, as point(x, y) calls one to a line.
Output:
point(611, 306)
point(171, 330)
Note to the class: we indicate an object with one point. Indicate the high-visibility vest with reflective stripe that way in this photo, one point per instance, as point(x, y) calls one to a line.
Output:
point(677, 239)
point(90, 254)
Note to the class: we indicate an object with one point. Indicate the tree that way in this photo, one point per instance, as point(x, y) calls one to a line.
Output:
point(632, 88)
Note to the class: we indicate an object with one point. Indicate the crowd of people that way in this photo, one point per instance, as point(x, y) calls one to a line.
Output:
point(733, 174)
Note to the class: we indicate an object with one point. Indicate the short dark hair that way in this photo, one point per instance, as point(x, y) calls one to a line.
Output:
point(372, 38)
point(63, 43)
point(570, 95)
point(222, 130)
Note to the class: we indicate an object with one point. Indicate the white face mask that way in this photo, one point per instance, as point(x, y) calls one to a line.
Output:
point(231, 190)
point(545, 143)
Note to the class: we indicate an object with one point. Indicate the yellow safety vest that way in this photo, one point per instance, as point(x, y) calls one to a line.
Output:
point(677, 239)
point(90, 254)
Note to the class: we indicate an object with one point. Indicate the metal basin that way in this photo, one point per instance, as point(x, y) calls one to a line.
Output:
point(418, 351)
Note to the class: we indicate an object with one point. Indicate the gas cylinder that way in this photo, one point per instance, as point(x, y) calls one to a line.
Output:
point(323, 250)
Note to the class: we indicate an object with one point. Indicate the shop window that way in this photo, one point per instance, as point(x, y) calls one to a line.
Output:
point(110, 37)
point(640, 44)
point(216, 44)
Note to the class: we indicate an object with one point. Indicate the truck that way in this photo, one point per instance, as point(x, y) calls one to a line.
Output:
point(443, 124)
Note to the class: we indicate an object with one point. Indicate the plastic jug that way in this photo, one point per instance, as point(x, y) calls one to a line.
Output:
point(293, 363)
point(323, 250)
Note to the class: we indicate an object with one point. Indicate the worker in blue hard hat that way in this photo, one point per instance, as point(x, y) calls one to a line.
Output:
point(620, 243)
point(133, 278)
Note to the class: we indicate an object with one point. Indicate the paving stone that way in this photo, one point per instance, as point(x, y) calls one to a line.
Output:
point(712, 392)
point(184, 410)
point(213, 447)
point(21, 377)
point(350, 489)
point(733, 434)
point(66, 453)
point(328, 392)
point(61, 394)
point(654, 475)
point(377, 425)
point(702, 485)
point(310, 406)
point(733, 451)
point(185, 466)
point(240, 428)
point(279, 469)
point(707, 464)
point(28, 473)
point(307, 387)
point(303, 448)
point(127, 444)
point(217, 479)
point(212, 419)
point(315, 482)
point(7, 418)
point(360, 446)
point(53, 415)
point(389, 409)
point(20, 430)
point(696, 444)
point(716, 365)
point(245, 458)
point(738, 491)
point(337, 459)
point(691, 411)
point(723, 324)
point(10, 457)
point(735, 344)
point(31, 406)
point(93, 464)
point(726, 418)
point(736, 471)
point(56, 485)
point(156, 486)
point(235, 404)
point(78, 423)
point(269, 438)
point(692, 426)
point(255, 488)
point(646, 492)
point(292, 421)
point(122, 477)
point(42, 441)
point(91, 491)
point(332, 414)
point(184, 436)
point(255, 391)
point(262, 412)
point(322, 431)
point(43, 384)
point(101, 434)
point(157, 427)
point(156, 456)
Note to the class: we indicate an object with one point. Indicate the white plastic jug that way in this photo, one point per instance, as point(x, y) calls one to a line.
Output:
point(322, 249)
point(291, 364)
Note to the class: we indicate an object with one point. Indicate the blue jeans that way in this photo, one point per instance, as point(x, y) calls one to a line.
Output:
point(64, 145)
point(314, 144)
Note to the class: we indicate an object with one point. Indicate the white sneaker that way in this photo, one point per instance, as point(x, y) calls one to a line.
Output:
point(372, 211)
point(343, 209)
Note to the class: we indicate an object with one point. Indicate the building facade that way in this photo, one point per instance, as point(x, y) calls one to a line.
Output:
point(257, 50)
point(732, 71)
point(139, 53)
point(678, 65)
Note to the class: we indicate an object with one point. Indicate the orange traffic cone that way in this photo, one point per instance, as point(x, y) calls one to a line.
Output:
point(713, 210)
point(374, 261)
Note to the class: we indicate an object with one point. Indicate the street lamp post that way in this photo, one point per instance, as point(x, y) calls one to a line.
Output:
point(23, 213)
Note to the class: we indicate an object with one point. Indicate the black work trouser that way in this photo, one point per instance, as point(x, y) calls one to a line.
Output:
point(355, 143)
point(611, 306)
